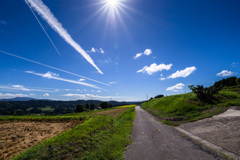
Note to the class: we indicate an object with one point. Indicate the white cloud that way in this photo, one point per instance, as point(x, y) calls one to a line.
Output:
point(81, 80)
point(47, 15)
point(225, 73)
point(155, 68)
point(137, 55)
point(9, 95)
point(88, 96)
point(176, 88)
point(93, 50)
point(114, 82)
point(3, 22)
point(22, 88)
point(101, 50)
point(147, 52)
point(162, 79)
point(46, 95)
point(183, 73)
point(32, 94)
point(55, 76)
point(99, 91)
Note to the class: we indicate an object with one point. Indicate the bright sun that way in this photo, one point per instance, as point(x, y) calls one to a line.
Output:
point(112, 3)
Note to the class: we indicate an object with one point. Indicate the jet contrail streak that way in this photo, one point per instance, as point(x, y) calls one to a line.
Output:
point(47, 15)
point(45, 65)
point(50, 76)
point(44, 30)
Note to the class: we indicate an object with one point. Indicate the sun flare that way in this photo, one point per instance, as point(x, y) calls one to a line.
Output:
point(112, 3)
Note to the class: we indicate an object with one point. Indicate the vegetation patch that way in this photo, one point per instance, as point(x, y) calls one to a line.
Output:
point(113, 112)
point(126, 106)
point(99, 137)
point(203, 103)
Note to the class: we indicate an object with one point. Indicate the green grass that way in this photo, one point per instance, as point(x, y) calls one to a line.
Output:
point(126, 106)
point(182, 108)
point(43, 118)
point(99, 137)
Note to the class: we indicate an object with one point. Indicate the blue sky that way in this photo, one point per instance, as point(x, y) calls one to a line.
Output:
point(115, 49)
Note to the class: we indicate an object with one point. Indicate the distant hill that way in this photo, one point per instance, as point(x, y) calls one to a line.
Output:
point(19, 99)
point(31, 105)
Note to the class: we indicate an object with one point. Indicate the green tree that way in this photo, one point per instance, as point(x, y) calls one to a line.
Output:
point(87, 106)
point(79, 108)
point(238, 81)
point(18, 112)
point(92, 106)
point(103, 105)
point(159, 96)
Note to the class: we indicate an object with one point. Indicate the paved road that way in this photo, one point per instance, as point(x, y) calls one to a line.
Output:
point(155, 141)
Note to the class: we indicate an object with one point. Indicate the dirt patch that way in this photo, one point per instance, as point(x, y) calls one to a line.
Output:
point(18, 136)
point(113, 112)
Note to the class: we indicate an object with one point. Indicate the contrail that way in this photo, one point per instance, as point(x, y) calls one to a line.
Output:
point(44, 30)
point(47, 15)
point(45, 65)
point(51, 76)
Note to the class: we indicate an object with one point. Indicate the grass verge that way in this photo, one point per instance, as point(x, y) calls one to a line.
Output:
point(99, 137)
point(178, 109)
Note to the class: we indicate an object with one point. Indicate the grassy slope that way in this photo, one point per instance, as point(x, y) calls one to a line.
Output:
point(99, 137)
point(185, 107)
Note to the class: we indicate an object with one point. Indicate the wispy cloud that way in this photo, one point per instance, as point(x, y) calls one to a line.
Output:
point(88, 96)
point(22, 88)
point(81, 80)
point(47, 15)
point(48, 66)
point(234, 64)
point(9, 95)
point(176, 88)
point(225, 73)
point(46, 95)
point(55, 76)
point(101, 50)
point(155, 68)
point(137, 55)
point(114, 82)
point(147, 52)
point(94, 50)
point(183, 73)
point(3, 22)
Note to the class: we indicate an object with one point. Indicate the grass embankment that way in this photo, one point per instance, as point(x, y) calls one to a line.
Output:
point(177, 109)
point(99, 137)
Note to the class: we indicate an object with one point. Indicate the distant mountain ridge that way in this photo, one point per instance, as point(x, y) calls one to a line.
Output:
point(19, 99)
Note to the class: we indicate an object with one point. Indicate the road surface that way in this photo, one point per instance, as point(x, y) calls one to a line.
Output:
point(155, 141)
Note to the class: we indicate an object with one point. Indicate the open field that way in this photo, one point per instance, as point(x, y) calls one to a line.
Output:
point(102, 134)
point(18, 136)
point(126, 106)
point(113, 112)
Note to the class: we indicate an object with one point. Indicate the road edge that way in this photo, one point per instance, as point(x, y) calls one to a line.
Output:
point(211, 146)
